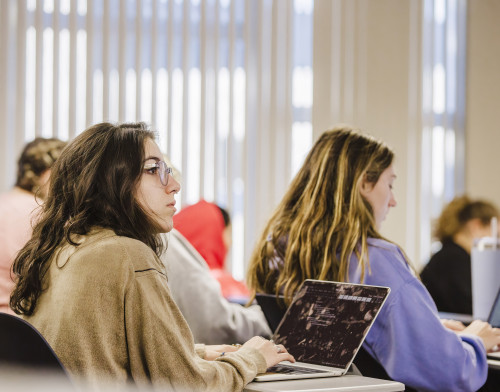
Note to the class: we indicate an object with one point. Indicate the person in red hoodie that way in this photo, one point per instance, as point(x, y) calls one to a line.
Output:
point(208, 228)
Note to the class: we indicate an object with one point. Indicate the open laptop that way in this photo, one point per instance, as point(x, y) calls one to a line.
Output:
point(273, 307)
point(494, 320)
point(324, 327)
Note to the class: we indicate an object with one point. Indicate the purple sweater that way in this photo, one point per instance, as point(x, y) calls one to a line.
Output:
point(407, 337)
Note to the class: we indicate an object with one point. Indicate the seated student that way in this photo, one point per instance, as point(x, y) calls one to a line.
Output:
point(18, 207)
point(198, 295)
point(207, 227)
point(90, 279)
point(328, 227)
point(447, 276)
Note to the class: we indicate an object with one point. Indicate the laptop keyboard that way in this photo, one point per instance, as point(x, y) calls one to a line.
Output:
point(285, 369)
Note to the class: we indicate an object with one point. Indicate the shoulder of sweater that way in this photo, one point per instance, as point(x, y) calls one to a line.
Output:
point(380, 245)
point(389, 259)
point(119, 250)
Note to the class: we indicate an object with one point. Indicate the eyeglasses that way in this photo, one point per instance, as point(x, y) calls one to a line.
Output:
point(161, 168)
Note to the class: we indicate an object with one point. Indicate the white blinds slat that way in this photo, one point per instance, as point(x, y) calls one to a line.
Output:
point(105, 61)
point(89, 18)
point(154, 63)
point(138, 58)
point(39, 29)
point(122, 58)
point(186, 24)
point(170, 67)
point(72, 73)
point(55, 72)
point(5, 9)
point(20, 70)
point(203, 94)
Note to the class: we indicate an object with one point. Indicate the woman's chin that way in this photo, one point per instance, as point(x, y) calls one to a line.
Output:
point(167, 226)
point(164, 225)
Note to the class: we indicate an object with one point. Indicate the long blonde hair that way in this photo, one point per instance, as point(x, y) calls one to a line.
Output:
point(322, 219)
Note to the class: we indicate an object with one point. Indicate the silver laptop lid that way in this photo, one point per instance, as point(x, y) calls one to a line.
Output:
point(494, 318)
point(327, 322)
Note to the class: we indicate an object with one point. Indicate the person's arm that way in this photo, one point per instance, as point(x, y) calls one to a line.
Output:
point(201, 350)
point(409, 340)
point(212, 318)
point(161, 348)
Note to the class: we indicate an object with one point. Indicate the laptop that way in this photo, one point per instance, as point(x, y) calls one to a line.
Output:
point(273, 307)
point(324, 327)
point(494, 320)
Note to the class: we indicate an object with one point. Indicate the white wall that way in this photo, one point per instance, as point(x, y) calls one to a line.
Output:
point(483, 100)
point(367, 74)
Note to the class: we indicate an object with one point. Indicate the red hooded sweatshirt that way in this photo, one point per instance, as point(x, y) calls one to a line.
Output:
point(202, 224)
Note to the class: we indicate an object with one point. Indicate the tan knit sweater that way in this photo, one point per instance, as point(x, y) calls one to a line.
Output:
point(107, 312)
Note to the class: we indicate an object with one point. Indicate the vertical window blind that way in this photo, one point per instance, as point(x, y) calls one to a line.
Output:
point(444, 91)
point(227, 84)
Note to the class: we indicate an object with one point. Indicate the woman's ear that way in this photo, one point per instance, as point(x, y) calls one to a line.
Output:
point(365, 187)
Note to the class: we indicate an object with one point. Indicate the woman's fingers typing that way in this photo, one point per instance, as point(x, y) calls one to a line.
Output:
point(273, 353)
point(454, 325)
point(489, 335)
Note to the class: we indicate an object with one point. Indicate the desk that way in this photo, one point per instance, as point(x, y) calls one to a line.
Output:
point(494, 364)
point(347, 383)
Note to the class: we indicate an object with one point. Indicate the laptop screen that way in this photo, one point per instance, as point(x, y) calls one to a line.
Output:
point(327, 322)
point(273, 308)
point(494, 318)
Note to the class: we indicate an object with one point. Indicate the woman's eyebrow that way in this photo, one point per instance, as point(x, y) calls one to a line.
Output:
point(152, 157)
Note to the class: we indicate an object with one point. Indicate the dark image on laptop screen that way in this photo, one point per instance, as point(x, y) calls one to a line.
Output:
point(337, 319)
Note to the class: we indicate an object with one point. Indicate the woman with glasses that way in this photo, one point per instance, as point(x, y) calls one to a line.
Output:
point(91, 281)
point(327, 227)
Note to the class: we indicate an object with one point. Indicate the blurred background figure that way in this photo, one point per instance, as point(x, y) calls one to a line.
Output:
point(18, 206)
point(207, 227)
point(211, 317)
point(447, 276)
point(195, 290)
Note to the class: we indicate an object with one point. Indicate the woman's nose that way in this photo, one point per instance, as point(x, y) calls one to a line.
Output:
point(172, 185)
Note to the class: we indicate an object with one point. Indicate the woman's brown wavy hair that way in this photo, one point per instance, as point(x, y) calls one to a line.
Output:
point(93, 185)
point(322, 219)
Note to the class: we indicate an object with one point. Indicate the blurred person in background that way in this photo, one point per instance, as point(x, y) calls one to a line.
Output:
point(447, 276)
point(199, 297)
point(207, 227)
point(198, 294)
point(19, 206)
